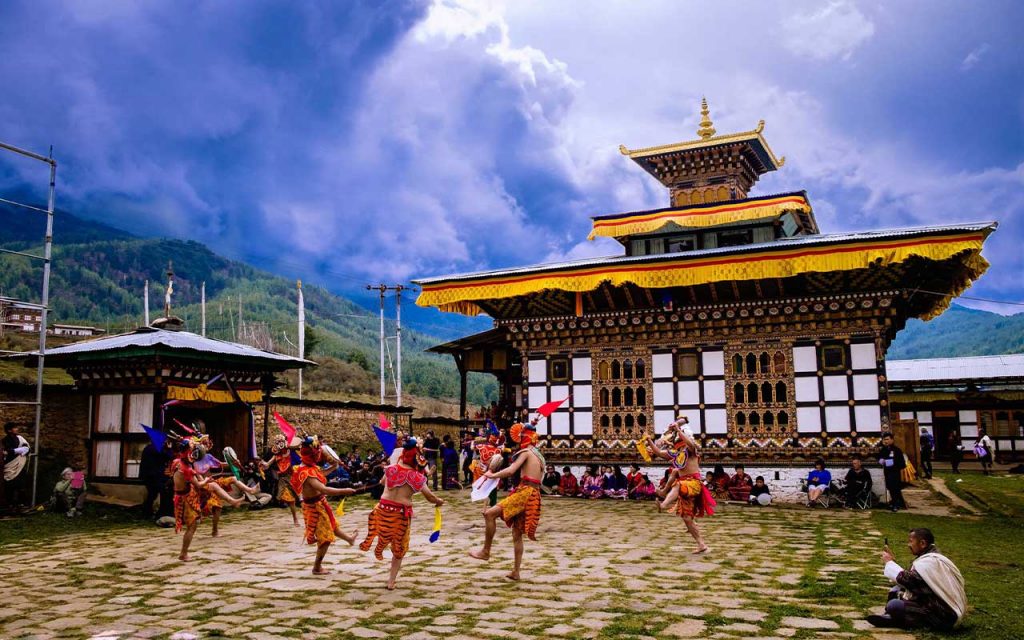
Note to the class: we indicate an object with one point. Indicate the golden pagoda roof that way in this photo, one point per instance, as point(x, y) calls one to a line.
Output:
point(753, 137)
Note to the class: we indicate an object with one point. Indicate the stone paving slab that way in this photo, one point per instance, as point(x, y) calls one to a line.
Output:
point(603, 569)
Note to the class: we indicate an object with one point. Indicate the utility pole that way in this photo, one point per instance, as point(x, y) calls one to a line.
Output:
point(145, 304)
point(202, 304)
point(398, 341)
point(383, 289)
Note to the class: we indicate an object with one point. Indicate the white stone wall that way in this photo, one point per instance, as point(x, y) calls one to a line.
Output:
point(784, 488)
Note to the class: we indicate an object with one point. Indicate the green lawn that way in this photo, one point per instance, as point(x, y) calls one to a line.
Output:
point(1001, 495)
point(45, 525)
point(987, 550)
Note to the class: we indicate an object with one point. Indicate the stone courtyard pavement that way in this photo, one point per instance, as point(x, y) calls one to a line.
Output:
point(603, 569)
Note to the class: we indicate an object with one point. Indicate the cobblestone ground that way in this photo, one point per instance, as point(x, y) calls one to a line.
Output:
point(603, 569)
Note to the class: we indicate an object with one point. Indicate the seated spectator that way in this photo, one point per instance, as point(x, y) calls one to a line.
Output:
point(568, 486)
point(69, 493)
point(740, 484)
point(552, 480)
point(858, 480)
point(644, 489)
point(632, 479)
point(615, 484)
point(593, 486)
point(818, 481)
point(709, 480)
point(720, 487)
point(760, 489)
point(928, 594)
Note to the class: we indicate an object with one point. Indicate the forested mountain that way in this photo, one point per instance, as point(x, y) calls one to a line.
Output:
point(960, 332)
point(98, 274)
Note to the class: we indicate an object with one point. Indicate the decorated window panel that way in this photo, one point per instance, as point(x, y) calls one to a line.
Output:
point(969, 431)
point(558, 369)
point(759, 389)
point(833, 357)
point(967, 416)
point(924, 417)
point(133, 458)
point(906, 415)
point(109, 414)
point(662, 418)
point(624, 394)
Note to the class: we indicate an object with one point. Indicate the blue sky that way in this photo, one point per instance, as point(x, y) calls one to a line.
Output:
point(349, 142)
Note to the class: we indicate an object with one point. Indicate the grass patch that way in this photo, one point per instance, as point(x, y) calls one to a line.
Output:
point(45, 525)
point(987, 552)
point(1001, 495)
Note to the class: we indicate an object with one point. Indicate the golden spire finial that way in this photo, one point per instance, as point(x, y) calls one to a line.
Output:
point(706, 129)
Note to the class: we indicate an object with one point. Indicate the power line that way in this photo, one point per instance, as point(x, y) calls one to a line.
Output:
point(939, 293)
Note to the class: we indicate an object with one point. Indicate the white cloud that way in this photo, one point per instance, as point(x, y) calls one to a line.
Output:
point(974, 57)
point(833, 31)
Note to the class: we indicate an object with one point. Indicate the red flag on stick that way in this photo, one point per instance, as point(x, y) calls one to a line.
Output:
point(548, 408)
point(184, 426)
point(287, 429)
point(383, 421)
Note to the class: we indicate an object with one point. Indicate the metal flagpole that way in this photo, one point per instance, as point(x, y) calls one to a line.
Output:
point(145, 304)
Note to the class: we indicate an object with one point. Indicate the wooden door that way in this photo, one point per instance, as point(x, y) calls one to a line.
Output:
point(907, 435)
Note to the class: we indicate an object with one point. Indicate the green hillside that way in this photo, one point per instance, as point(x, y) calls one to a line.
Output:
point(960, 332)
point(100, 282)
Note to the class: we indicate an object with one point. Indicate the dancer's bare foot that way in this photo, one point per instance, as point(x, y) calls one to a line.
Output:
point(480, 555)
point(184, 557)
point(350, 538)
point(701, 549)
point(215, 534)
point(250, 490)
point(320, 571)
point(234, 502)
point(391, 585)
point(514, 575)
point(295, 523)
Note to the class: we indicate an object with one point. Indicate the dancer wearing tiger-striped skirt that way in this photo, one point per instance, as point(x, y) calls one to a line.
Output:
point(390, 520)
point(308, 481)
point(521, 509)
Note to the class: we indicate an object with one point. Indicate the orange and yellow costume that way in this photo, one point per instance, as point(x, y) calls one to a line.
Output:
point(317, 513)
point(187, 505)
point(285, 490)
point(695, 501)
point(390, 522)
point(521, 509)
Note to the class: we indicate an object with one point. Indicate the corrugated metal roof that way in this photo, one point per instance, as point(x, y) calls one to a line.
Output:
point(782, 243)
point(969, 368)
point(175, 340)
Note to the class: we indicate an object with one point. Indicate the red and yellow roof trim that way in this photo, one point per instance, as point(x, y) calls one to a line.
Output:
point(680, 270)
point(708, 215)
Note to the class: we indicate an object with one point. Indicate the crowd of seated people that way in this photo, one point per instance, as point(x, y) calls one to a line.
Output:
point(599, 482)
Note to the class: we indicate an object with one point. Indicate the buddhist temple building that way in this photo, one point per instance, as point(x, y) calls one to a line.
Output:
point(730, 308)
